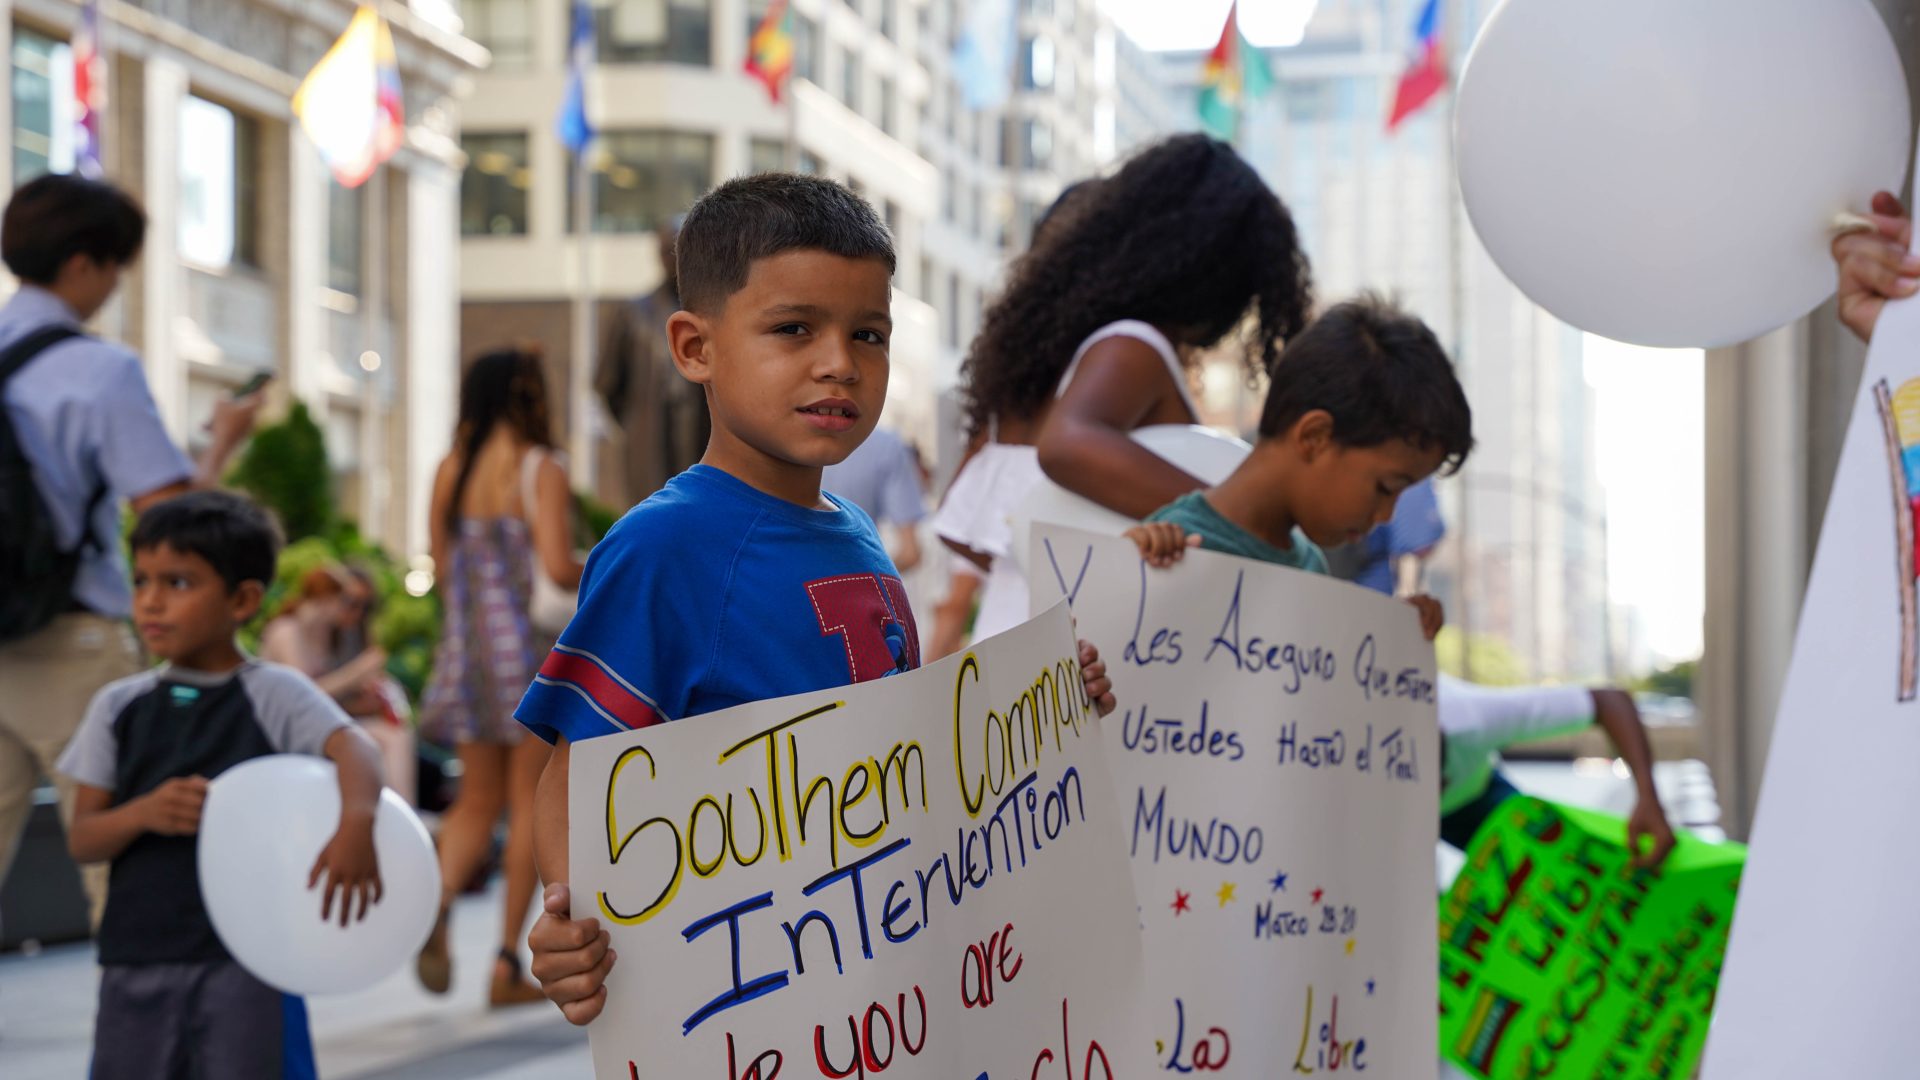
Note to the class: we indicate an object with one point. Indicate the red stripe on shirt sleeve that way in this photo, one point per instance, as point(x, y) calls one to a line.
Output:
point(617, 700)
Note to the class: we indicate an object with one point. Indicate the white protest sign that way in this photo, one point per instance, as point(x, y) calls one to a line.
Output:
point(1820, 969)
point(1276, 757)
point(918, 876)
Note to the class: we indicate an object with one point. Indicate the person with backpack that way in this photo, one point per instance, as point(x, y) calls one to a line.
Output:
point(79, 435)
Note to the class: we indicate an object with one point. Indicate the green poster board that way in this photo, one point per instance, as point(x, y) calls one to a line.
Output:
point(1559, 958)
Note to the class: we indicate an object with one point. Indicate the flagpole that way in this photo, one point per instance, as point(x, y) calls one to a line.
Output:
point(580, 373)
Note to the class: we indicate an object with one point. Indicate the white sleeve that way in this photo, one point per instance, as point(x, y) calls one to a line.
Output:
point(1502, 716)
point(297, 716)
point(92, 756)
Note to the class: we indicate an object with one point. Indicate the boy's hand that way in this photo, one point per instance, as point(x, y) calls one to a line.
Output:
point(1875, 265)
point(1432, 615)
point(571, 957)
point(1093, 675)
point(173, 808)
point(1161, 543)
point(351, 867)
point(1649, 822)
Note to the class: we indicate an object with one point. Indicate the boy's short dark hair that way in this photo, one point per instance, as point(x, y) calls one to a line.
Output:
point(1380, 373)
point(754, 217)
point(230, 531)
point(57, 216)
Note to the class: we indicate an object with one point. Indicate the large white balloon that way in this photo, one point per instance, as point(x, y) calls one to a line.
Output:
point(1665, 172)
point(1201, 452)
point(264, 824)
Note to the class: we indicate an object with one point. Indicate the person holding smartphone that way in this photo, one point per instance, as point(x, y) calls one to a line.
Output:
point(80, 437)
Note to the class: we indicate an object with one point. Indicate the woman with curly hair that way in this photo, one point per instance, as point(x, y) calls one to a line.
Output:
point(1128, 280)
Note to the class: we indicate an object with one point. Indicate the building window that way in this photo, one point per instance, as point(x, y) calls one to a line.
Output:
point(924, 286)
point(946, 195)
point(1036, 63)
point(952, 312)
point(1040, 8)
point(493, 190)
point(643, 178)
point(891, 214)
point(809, 163)
point(505, 27)
point(887, 106)
point(346, 212)
point(219, 171)
point(850, 79)
point(887, 26)
point(767, 155)
point(43, 121)
point(806, 44)
point(652, 31)
point(1036, 143)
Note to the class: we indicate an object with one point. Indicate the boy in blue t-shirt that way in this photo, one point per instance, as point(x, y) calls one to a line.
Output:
point(739, 581)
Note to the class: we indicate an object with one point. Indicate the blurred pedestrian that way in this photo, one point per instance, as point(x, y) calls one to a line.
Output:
point(1388, 559)
point(662, 416)
point(500, 518)
point(882, 477)
point(89, 440)
point(329, 610)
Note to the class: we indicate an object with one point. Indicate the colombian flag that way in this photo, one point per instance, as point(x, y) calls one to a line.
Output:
point(770, 53)
point(1426, 73)
point(1235, 73)
point(350, 104)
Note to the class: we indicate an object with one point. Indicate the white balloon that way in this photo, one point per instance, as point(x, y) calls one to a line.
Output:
point(264, 823)
point(1200, 451)
point(1665, 172)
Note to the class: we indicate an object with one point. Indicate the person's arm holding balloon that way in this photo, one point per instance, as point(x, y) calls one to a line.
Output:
point(348, 862)
point(1875, 264)
point(571, 957)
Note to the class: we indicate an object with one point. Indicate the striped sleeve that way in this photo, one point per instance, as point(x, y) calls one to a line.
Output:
point(625, 661)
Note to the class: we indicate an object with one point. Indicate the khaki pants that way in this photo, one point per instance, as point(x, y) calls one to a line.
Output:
point(46, 681)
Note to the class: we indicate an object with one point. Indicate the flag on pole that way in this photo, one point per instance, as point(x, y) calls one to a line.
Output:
point(983, 54)
point(89, 91)
point(770, 53)
point(350, 104)
point(1426, 73)
point(576, 131)
point(1234, 74)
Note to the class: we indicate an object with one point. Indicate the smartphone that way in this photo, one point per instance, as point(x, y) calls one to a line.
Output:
point(253, 385)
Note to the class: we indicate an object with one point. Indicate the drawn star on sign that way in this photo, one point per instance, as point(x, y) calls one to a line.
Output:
point(1279, 882)
point(1226, 893)
point(1350, 944)
point(1369, 987)
point(1179, 904)
point(1317, 894)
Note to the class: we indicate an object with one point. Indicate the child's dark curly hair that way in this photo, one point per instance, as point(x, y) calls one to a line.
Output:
point(1186, 236)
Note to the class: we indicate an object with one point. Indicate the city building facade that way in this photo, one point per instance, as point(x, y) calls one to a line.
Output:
point(255, 259)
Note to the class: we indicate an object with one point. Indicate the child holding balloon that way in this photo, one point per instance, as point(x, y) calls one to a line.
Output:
point(172, 1001)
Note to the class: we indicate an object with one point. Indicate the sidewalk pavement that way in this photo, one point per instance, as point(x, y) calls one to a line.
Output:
point(391, 1031)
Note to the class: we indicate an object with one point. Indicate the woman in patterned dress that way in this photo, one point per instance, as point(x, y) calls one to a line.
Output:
point(485, 540)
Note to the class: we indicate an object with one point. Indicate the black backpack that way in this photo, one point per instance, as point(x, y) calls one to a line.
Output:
point(36, 572)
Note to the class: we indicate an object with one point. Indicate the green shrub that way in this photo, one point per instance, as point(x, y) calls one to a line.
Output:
point(285, 468)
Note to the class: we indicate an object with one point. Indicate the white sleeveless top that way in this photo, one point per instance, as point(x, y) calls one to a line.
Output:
point(978, 509)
